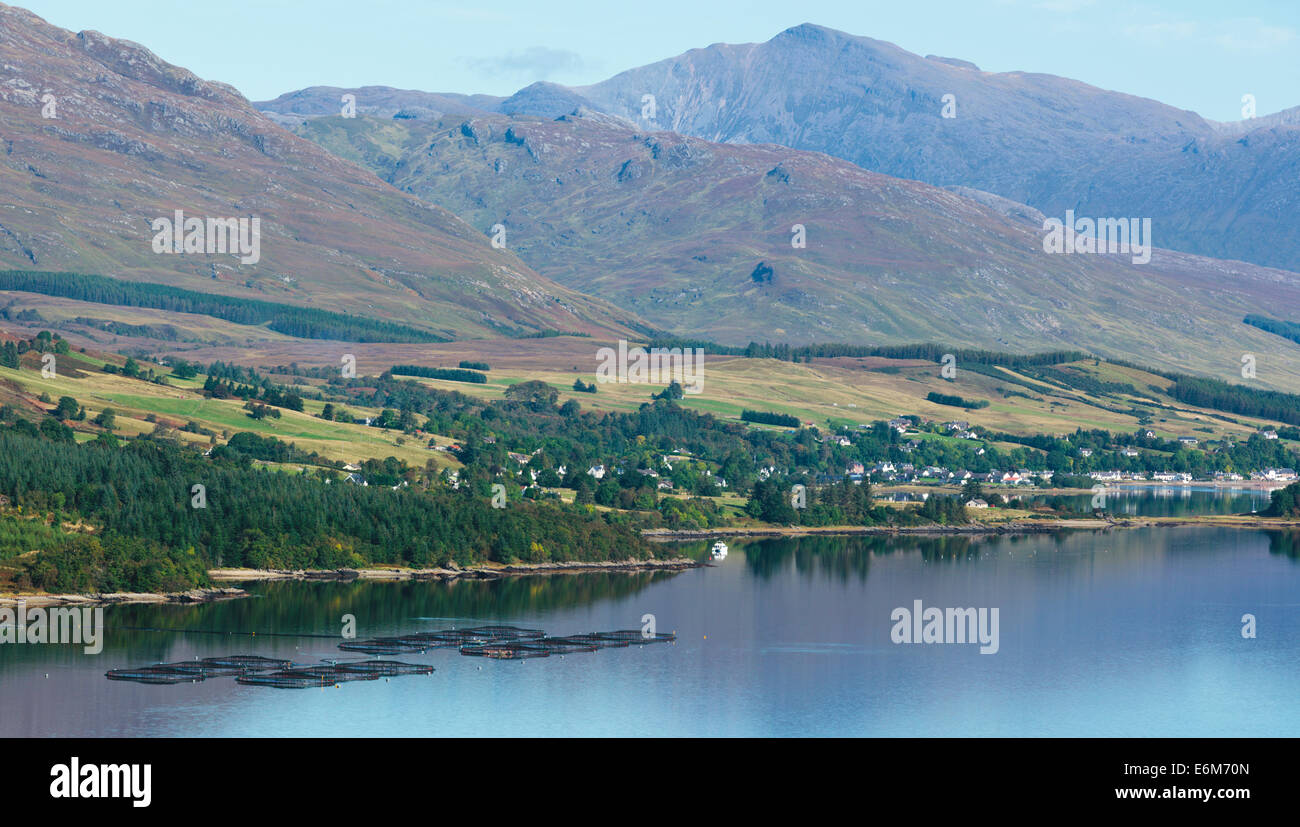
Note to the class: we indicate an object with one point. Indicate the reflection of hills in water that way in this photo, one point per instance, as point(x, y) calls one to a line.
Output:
point(317, 608)
point(843, 558)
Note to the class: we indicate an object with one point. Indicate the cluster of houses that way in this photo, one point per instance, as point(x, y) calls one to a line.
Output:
point(1267, 475)
point(905, 473)
point(599, 472)
point(1275, 475)
point(959, 428)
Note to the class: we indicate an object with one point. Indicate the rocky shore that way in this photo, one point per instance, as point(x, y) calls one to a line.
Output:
point(453, 572)
point(116, 598)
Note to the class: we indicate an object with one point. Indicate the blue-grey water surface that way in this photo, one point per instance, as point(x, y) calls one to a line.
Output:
point(1126, 632)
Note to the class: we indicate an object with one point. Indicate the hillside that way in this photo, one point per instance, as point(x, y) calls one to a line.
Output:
point(827, 392)
point(696, 237)
point(101, 138)
point(1221, 190)
point(1050, 142)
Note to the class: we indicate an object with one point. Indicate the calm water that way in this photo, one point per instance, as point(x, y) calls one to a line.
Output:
point(1132, 632)
point(1168, 501)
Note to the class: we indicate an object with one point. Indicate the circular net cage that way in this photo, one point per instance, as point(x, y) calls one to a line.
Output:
point(432, 640)
point(565, 645)
point(384, 646)
point(301, 677)
point(509, 650)
point(636, 636)
point(197, 670)
point(249, 663)
point(455, 638)
point(385, 668)
point(163, 674)
point(504, 632)
point(278, 680)
point(594, 639)
point(333, 674)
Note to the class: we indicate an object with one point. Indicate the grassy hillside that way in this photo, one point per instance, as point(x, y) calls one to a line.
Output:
point(182, 402)
point(700, 239)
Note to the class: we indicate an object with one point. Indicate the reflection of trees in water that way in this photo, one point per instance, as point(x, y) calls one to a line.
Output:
point(318, 608)
point(950, 549)
point(1162, 502)
point(1285, 543)
point(838, 557)
point(845, 557)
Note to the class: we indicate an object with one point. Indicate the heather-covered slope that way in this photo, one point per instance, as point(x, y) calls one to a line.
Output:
point(130, 138)
point(696, 237)
point(1226, 190)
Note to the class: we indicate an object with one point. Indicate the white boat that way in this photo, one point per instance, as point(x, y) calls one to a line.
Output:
point(719, 550)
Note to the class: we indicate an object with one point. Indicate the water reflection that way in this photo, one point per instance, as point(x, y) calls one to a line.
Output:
point(1163, 501)
point(1103, 633)
point(1285, 543)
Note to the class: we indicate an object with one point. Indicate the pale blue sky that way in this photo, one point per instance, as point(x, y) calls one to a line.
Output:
point(1195, 54)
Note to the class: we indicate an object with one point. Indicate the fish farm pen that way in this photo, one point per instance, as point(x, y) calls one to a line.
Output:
point(446, 639)
point(196, 670)
point(253, 670)
point(504, 642)
point(333, 674)
point(495, 642)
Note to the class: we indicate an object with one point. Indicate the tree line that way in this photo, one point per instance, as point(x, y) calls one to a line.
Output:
point(291, 320)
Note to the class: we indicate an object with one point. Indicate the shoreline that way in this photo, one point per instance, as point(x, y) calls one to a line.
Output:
point(1019, 491)
point(39, 600)
point(489, 571)
point(483, 571)
point(973, 529)
point(1044, 527)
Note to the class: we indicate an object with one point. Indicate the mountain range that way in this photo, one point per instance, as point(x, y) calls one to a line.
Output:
point(1225, 190)
point(702, 239)
point(808, 189)
point(99, 137)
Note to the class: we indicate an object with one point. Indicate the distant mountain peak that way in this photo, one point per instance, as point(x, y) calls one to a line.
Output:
point(127, 139)
point(953, 61)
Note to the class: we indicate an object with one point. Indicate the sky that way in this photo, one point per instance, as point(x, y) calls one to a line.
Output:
point(1203, 55)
